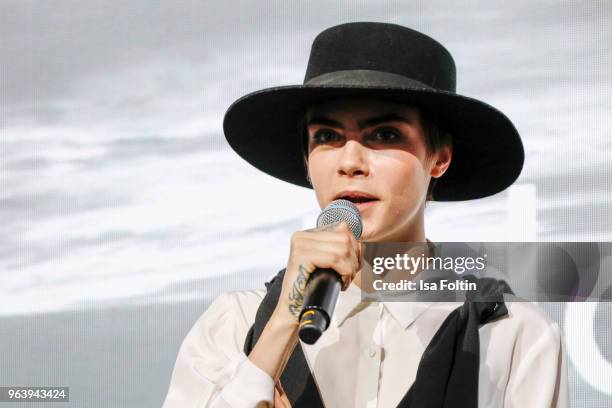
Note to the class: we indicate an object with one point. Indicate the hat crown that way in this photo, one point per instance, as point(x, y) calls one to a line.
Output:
point(382, 47)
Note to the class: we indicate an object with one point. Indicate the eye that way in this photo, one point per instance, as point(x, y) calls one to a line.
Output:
point(325, 136)
point(385, 135)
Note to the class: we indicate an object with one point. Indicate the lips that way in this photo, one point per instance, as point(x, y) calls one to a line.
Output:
point(356, 197)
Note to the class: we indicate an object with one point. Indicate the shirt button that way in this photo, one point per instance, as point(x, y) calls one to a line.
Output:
point(371, 351)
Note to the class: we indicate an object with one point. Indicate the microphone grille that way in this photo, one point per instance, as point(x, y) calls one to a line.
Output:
point(342, 210)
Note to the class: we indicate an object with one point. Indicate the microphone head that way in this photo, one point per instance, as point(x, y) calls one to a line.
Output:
point(342, 210)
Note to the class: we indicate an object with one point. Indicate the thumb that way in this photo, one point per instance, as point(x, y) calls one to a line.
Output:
point(280, 398)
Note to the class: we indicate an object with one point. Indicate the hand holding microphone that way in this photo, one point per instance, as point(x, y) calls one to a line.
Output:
point(322, 261)
point(324, 283)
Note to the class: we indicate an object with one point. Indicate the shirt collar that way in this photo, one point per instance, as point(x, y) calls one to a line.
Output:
point(404, 311)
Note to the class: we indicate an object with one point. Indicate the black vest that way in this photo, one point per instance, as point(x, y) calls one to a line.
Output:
point(447, 375)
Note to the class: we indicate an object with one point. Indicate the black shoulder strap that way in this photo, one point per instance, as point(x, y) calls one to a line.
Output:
point(297, 380)
point(448, 371)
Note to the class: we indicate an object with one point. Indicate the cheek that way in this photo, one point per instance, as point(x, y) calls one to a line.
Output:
point(405, 183)
point(402, 171)
point(316, 166)
point(320, 169)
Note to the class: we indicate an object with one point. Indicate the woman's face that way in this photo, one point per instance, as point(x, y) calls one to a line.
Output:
point(373, 153)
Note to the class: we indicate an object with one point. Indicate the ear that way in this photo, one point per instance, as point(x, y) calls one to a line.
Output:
point(442, 160)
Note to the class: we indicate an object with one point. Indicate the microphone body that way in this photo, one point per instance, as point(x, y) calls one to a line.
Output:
point(324, 284)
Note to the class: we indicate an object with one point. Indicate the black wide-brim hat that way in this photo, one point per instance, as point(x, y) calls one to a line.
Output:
point(390, 62)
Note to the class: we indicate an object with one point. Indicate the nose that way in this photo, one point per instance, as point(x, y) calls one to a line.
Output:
point(353, 160)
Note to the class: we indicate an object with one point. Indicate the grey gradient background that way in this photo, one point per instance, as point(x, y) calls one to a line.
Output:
point(123, 212)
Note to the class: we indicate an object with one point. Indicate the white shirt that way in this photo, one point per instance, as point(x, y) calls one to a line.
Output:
point(369, 355)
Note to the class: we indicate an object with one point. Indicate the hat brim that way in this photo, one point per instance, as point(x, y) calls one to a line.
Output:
point(488, 155)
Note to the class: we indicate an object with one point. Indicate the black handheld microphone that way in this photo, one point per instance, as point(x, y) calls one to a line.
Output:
point(324, 284)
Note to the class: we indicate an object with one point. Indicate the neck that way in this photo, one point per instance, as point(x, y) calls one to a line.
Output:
point(414, 231)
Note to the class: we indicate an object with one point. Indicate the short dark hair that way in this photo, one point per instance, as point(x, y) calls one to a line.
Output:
point(435, 136)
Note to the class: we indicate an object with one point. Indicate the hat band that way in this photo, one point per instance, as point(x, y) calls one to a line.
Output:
point(366, 77)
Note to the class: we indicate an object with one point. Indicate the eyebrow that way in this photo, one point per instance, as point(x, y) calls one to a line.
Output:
point(392, 117)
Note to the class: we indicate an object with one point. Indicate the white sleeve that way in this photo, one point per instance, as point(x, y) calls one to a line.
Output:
point(211, 370)
point(539, 378)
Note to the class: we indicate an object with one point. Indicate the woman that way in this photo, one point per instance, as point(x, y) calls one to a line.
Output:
point(377, 122)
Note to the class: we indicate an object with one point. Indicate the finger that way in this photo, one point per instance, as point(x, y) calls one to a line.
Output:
point(314, 241)
point(278, 402)
point(337, 260)
point(345, 267)
point(325, 235)
point(284, 401)
point(327, 227)
point(304, 249)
